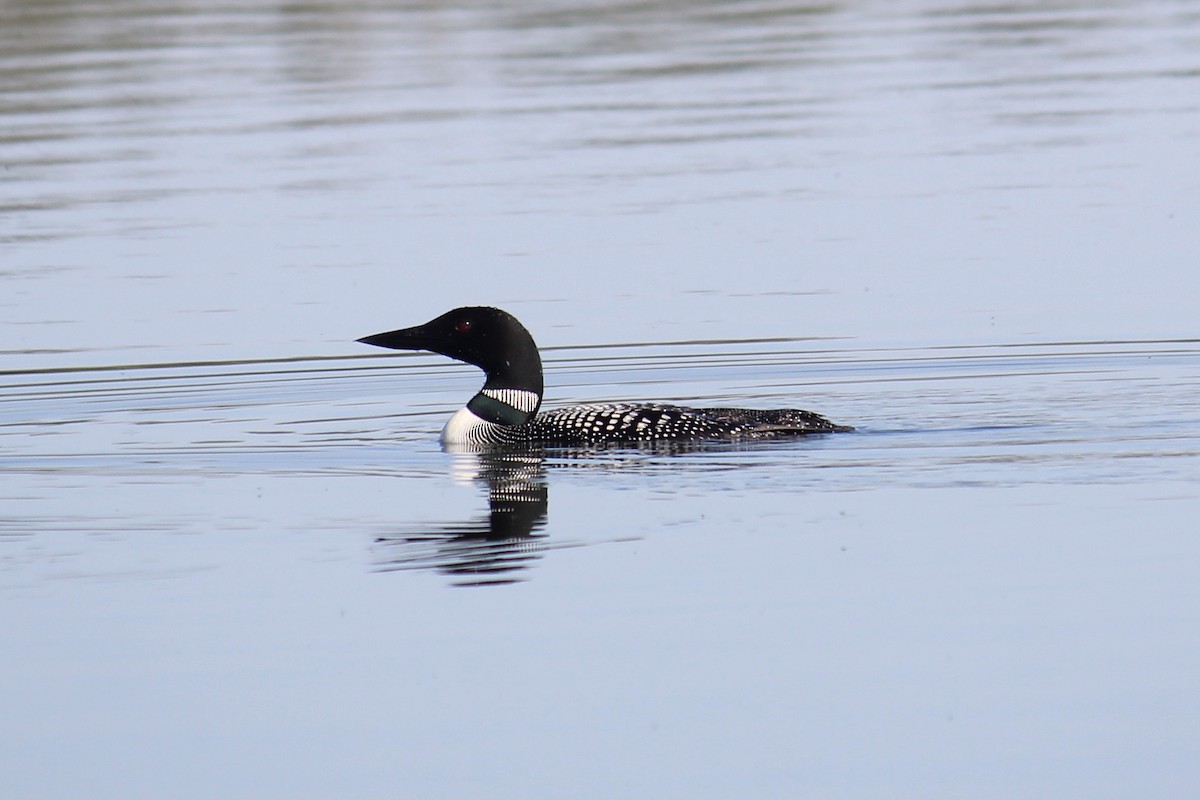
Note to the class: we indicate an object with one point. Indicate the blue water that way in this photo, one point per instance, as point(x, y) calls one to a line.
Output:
point(234, 560)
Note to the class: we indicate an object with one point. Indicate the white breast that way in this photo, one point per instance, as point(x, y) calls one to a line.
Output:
point(467, 428)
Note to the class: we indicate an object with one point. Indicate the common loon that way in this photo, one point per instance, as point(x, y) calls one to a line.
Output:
point(505, 411)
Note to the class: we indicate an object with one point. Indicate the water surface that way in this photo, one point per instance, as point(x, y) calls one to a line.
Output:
point(234, 560)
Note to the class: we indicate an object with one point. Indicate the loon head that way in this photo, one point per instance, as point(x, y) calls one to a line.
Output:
point(489, 338)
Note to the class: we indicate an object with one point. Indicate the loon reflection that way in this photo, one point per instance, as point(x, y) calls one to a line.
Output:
point(499, 546)
point(494, 548)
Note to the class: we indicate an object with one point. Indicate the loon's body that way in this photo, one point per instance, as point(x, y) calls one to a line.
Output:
point(505, 410)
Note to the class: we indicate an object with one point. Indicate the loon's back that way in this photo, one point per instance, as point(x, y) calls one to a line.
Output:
point(598, 423)
point(505, 411)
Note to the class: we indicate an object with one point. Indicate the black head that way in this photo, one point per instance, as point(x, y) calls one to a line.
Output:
point(489, 338)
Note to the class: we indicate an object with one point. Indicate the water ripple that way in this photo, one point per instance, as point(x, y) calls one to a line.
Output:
point(1066, 408)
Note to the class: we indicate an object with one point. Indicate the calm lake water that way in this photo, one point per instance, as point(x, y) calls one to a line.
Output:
point(235, 562)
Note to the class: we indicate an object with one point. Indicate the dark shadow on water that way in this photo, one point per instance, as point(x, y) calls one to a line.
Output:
point(498, 547)
point(493, 549)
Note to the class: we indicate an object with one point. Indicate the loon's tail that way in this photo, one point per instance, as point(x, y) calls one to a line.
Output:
point(770, 423)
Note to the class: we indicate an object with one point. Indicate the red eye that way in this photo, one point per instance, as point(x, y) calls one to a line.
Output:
point(463, 326)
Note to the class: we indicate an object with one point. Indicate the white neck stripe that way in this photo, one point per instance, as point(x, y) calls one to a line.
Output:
point(519, 399)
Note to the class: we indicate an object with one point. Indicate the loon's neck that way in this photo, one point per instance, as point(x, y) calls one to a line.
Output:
point(505, 405)
point(489, 414)
point(513, 390)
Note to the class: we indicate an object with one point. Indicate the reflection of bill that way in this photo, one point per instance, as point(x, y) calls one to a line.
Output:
point(490, 550)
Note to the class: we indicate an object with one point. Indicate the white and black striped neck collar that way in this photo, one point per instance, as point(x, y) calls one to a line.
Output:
point(505, 406)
